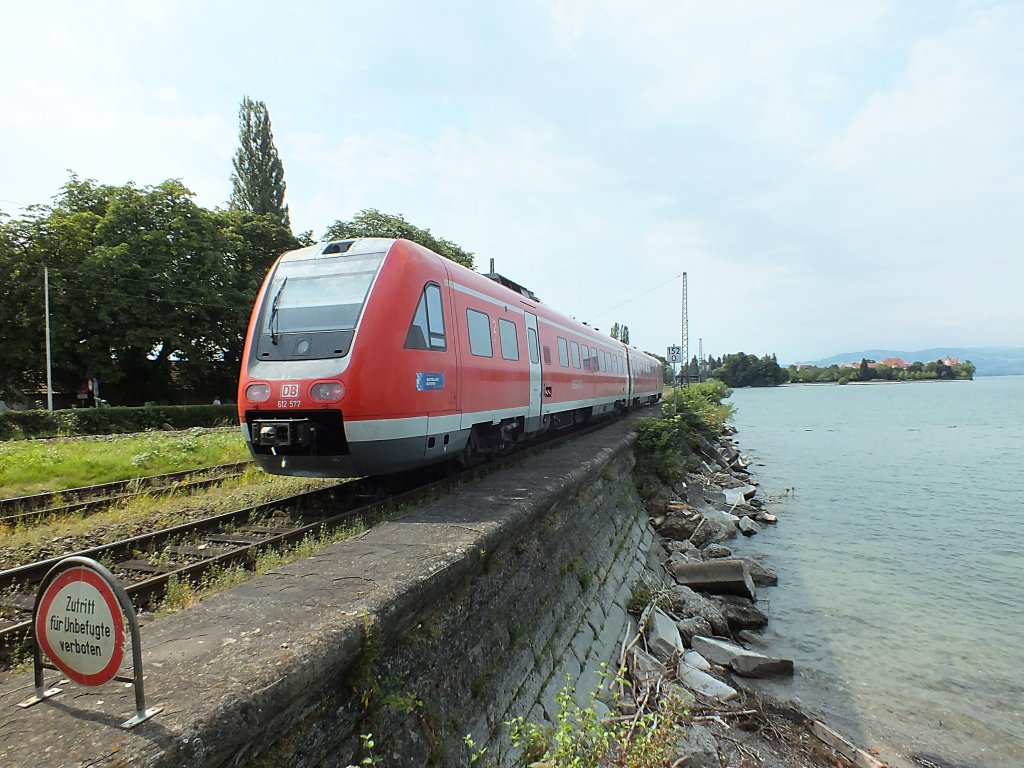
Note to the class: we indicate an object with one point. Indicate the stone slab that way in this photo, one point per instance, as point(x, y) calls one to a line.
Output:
point(739, 659)
point(728, 577)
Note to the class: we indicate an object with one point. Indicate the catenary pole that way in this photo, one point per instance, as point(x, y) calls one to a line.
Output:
point(684, 333)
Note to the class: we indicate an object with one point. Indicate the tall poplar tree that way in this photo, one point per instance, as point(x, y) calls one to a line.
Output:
point(257, 184)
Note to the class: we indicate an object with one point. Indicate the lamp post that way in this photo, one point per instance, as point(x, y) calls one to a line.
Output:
point(46, 300)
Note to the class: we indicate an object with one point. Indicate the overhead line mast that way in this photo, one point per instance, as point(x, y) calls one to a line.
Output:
point(685, 337)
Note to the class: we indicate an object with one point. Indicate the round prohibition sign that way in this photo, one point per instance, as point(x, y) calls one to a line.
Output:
point(79, 625)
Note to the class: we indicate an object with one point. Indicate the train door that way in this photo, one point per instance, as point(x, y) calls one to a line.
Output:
point(631, 372)
point(438, 382)
point(533, 419)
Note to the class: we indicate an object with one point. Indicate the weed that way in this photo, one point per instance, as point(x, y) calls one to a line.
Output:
point(479, 685)
point(368, 744)
point(585, 578)
point(580, 739)
point(475, 754)
point(640, 596)
point(402, 702)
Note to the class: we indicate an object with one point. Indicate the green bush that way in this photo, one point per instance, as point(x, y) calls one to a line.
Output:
point(664, 444)
point(659, 445)
point(701, 406)
point(109, 421)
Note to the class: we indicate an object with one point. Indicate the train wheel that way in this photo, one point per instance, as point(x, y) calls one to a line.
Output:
point(472, 454)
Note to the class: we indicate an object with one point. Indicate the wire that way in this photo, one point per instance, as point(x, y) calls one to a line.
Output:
point(644, 293)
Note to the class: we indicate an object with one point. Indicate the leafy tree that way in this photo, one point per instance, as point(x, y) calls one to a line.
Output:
point(743, 370)
point(373, 223)
point(21, 314)
point(257, 185)
point(148, 292)
point(965, 370)
point(865, 372)
point(620, 332)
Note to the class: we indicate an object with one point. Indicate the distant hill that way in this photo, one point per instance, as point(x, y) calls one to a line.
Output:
point(989, 361)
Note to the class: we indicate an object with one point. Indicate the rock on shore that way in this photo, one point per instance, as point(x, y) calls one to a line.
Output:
point(701, 610)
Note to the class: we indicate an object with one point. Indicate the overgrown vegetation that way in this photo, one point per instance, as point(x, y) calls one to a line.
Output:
point(23, 541)
point(40, 466)
point(665, 444)
point(184, 594)
point(17, 425)
point(580, 738)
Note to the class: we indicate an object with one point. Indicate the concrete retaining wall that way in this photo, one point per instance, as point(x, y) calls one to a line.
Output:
point(447, 621)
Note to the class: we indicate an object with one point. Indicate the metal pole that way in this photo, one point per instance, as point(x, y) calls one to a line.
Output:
point(684, 332)
point(49, 377)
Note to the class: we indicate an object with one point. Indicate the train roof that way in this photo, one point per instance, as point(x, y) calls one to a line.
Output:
point(360, 245)
point(351, 247)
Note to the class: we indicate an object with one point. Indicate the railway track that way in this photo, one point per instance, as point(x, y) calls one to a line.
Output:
point(145, 564)
point(87, 499)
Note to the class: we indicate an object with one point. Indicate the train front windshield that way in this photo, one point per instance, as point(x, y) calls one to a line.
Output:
point(326, 293)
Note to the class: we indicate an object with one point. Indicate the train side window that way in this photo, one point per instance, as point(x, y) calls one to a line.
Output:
point(547, 355)
point(533, 344)
point(575, 354)
point(586, 357)
point(509, 339)
point(563, 352)
point(427, 328)
point(435, 318)
point(479, 333)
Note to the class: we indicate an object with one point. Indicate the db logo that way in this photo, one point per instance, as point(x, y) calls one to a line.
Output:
point(289, 390)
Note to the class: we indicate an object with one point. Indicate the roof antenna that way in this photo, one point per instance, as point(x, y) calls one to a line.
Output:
point(492, 265)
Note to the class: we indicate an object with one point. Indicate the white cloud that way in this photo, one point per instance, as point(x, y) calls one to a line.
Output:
point(809, 164)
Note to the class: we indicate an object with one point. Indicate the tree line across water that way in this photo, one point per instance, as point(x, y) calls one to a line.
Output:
point(869, 370)
point(745, 370)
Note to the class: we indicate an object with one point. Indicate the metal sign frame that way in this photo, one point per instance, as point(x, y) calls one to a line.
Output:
point(127, 611)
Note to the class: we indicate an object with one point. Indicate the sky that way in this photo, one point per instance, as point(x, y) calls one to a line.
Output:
point(830, 175)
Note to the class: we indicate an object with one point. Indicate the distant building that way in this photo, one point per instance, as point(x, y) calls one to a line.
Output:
point(951, 361)
point(895, 362)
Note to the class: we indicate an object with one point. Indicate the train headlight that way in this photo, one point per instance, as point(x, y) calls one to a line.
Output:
point(257, 393)
point(327, 391)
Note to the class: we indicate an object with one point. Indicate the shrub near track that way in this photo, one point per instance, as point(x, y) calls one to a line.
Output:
point(17, 425)
point(41, 466)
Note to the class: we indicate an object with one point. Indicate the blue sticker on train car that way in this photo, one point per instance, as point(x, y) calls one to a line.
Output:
point(428, 381)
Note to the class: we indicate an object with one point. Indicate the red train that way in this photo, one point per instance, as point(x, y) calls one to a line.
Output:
point(373, 356)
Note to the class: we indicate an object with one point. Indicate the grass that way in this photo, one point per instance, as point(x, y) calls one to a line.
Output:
point(24, 542)
point(184, 594)
point(41, 466)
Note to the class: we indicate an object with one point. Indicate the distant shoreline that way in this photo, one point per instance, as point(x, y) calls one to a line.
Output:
point(868, 383)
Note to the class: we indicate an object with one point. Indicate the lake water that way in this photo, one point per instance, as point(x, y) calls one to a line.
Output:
point(900, 554)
